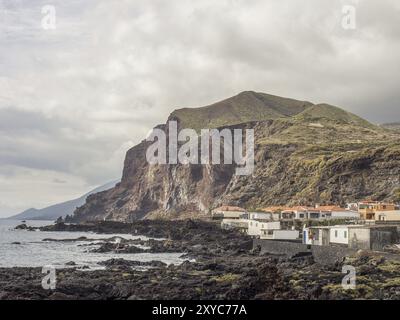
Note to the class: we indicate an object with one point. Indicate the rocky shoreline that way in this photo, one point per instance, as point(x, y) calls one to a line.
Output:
point(220, 265)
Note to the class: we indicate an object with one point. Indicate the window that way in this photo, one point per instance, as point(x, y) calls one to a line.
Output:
point(336, 234)
point(345, 234)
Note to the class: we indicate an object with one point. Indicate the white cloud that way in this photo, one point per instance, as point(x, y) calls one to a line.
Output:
point(77, 97)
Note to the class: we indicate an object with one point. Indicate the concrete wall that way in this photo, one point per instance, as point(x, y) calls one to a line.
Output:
point(322, 254)
point(359, 238)
point(286, 234)
point(260, 215)
point(330, 254)
point(387, 215)
point(345, 214)
point(372, 238)
point(339, 235)
point(280, 247)
point(232, 214)
point(379, 238)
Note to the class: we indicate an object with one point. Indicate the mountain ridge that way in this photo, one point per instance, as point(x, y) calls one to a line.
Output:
point(60, 209)
point(304, 154)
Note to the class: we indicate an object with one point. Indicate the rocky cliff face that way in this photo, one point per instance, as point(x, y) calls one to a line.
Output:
point(304, 154)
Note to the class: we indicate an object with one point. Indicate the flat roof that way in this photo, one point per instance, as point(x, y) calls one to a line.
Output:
point(354, 226)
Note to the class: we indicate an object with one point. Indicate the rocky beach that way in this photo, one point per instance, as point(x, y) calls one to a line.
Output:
point(219, 264)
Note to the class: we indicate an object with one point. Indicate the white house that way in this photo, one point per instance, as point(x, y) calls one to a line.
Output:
point(352, 206)
point(339, 235)
point(228, 212)
point(326, 235)
point(303, 213)
point(261, 216)
point(241, 224)
point(295, 213)
point(316, 235)
point(346, 214)
point(335, 212)
point(371, 237)
point(255, 227)
point(270, 231)
point(279, 234)
point(393, 215)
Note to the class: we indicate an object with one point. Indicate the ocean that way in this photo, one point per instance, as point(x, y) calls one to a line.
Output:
point(21, 248)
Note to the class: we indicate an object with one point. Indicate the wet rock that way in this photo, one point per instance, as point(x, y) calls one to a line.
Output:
point(61, 296)
point(132, 263)
point(117, 248)
point(24, 226)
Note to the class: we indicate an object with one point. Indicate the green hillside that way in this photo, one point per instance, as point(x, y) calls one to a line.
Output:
point(326, 112)
point(254, 106)
point(245, 107)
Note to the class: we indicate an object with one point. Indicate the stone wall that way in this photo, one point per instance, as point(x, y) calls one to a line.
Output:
point(321, 254)
point(379, 238)
point(330, 254)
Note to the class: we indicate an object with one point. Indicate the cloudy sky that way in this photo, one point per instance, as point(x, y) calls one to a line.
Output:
point(73, 99)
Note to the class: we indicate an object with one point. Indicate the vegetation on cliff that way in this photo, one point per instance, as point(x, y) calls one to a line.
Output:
point(304, 154)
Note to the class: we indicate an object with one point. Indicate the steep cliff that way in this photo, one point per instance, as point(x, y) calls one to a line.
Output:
point(304, 153)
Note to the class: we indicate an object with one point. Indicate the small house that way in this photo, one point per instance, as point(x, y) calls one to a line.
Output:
point(255, 227)
point(290, 235)
point(368, 209)
point(229, 212)
point(261, 216)
point(318, 236)
point(339, 235)
point(393, 215)
point(369, 237)
point(240, 224)
point(372, 237)
point(335, 212)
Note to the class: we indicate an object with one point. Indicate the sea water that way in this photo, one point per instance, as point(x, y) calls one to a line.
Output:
point(22, 248)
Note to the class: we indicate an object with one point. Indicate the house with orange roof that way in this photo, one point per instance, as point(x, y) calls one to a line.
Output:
point(300, 213)
point(368, 209)
point(336, 212)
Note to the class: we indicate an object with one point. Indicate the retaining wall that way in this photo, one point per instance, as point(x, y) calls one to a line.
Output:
point(321, 254)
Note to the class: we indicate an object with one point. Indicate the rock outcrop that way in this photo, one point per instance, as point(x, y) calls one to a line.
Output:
point(304, 154)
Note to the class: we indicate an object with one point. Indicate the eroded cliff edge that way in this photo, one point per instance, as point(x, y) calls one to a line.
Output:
point(304, 154)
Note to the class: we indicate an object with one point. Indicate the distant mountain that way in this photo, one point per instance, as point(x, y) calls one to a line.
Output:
point(61, 209)
point(391, 126)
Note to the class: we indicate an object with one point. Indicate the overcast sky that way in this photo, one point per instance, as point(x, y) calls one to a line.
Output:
point(74, 99)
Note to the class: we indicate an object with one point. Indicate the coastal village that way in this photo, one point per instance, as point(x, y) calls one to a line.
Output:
point(366, 225)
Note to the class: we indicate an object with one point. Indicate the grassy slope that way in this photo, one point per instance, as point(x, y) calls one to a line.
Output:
point(245, 107)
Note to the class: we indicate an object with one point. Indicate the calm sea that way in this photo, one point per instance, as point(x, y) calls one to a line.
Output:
point(33, 252)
